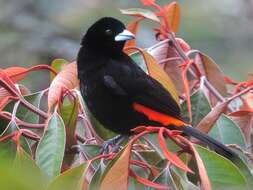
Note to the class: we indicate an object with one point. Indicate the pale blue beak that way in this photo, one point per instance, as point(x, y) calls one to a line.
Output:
point(124, 36)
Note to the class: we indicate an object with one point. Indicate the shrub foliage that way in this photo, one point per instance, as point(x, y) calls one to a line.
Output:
point(49, 139)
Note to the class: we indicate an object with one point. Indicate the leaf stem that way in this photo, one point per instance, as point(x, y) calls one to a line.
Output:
point(184, 56)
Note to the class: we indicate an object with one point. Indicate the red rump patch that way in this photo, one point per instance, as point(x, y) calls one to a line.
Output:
point(157, 116)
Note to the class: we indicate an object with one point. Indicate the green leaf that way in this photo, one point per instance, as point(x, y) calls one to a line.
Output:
point(117, 171)
point(244, 168)
point(50, 150)
point(96, 178)
point(200, 107)
point(69, 112)
point(223, 174)
point(25, 114)
point(23, 162)
point(22, 174)
point(90, 150)
point(227, 132)
point(133, 184)
point(8, 148)
point(180, 179)
point(157, 155)
point(69, 180)
point(138, 58)
point(165, 178)
point(140, 12)
point(57, 64)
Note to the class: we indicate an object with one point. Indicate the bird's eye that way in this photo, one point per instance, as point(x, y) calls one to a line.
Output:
point(108, 32)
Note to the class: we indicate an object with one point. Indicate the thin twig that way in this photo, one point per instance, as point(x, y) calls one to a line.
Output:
point(184, 56)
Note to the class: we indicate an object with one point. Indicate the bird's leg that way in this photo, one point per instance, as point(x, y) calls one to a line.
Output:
point(114, 143)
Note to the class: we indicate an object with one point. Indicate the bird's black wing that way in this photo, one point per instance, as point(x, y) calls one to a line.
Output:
point(125, 78)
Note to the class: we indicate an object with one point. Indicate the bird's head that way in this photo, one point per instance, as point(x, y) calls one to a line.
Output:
point(107, 34)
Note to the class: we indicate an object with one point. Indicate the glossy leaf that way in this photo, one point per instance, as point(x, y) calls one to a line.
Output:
point(172, 157)
point(117, 171)
point(50, 150)
point(66, 79)
point(200, 107)
point(205, 182)
point(206, 124)
point(173, 15)
point(22, 174)
point(224, 175)
point(23, 162)
point(181, 180)
point(227, 132)
point(158, 73)
point(165, 178)
point(9, 147)
point(169, 59)
point(68, 109)
point(244, 119)
point(138, 58)
point(140, 12)
point(58, 65)
point(214, 74)
point(25, 114)
point(90, 150)
point(146, 181)
point(96, 178)
point(17, 74)
point(69, 180)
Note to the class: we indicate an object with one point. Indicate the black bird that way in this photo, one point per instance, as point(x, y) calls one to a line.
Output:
point(119, 93)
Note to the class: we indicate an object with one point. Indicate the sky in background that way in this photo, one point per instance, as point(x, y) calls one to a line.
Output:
point(37, 31)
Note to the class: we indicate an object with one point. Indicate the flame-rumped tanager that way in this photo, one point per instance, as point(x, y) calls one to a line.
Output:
point(120, 94)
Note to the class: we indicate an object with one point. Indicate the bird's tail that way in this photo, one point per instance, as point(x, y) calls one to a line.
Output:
point(209, 141)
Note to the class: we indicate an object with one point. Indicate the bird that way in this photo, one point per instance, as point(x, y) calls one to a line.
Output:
point(119, 94)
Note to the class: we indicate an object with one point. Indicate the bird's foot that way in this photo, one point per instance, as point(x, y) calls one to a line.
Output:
point(112, 145)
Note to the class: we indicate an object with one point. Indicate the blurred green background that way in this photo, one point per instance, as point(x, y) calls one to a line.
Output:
point(37, 31)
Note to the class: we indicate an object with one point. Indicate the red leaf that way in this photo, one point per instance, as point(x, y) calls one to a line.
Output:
point(5, 101)
point(172, 157)
point(159, 74)
point(228, 80)
point(171, 15)
point(148, 2)
point(66, 79)
point(155, 172)
point(17, 74)
point(133, 27)
point(186, 87)
point(146, 181)
point(186, 47)
point(244, 119)
point(9, 85)
point(206, 124)
point(169, 59)
point(117, 175)
point(202, 171)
